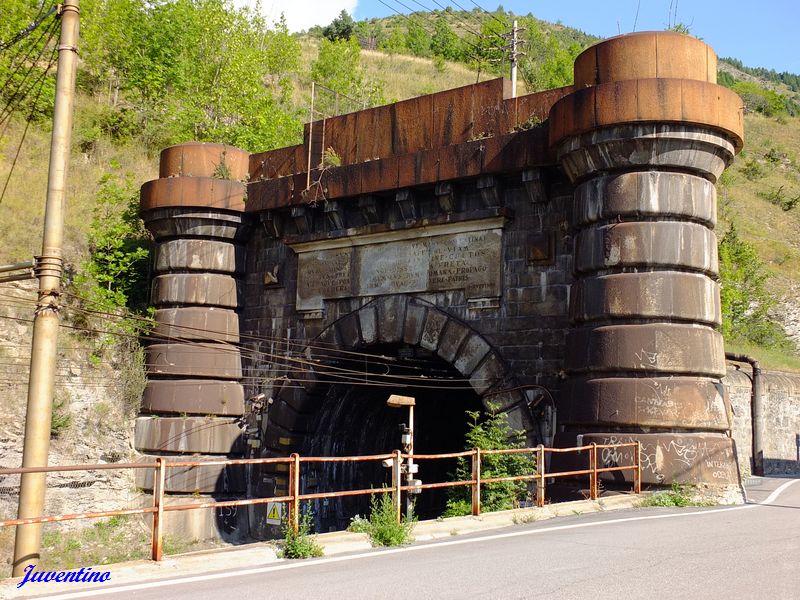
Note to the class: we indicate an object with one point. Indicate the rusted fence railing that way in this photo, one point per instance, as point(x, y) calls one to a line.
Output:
point(294, 497)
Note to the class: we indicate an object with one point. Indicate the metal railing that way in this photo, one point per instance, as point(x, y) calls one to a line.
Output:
point(294, 497)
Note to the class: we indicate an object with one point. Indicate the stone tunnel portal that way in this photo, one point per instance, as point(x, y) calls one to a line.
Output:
point(353, 419)
point(335, 405)
point(563, 239)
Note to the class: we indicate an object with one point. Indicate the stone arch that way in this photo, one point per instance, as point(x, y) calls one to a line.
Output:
point(397, 319)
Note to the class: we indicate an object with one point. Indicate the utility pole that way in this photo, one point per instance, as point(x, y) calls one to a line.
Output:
point(514, 56)
point(49, 267)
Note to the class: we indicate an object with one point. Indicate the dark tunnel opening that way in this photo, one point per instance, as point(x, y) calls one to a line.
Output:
point(354, 419)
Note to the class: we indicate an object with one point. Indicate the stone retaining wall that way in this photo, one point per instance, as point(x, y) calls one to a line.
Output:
point(781, 419)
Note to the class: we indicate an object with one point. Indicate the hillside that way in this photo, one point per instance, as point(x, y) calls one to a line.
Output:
point(113, 153)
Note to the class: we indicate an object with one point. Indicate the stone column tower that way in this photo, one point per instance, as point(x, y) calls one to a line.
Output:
point(194, 393)
point(644, 138)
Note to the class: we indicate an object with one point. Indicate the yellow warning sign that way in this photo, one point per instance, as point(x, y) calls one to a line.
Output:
point(274, 513)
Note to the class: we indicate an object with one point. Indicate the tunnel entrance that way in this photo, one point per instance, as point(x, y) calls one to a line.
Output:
point(353, 419)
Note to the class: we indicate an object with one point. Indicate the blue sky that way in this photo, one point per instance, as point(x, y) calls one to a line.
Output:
point(762, 33)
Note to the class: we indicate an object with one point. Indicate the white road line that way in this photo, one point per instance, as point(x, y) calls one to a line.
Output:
point(334, 559)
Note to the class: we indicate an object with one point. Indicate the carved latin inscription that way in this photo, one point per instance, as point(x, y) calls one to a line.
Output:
point(465, 260)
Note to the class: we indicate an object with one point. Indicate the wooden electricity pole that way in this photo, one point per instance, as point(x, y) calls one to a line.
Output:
point(49, 267)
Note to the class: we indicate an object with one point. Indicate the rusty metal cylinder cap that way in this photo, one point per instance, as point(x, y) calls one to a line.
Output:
point(646, 55)
point(198, 159)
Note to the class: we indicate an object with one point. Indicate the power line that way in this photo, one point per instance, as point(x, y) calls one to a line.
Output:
point(13, 60)
point(345, 375)
point(478, 49)
point(459, 20)
point(21, 35)
point(18, 95)
point(503, 23)
point(27, 124)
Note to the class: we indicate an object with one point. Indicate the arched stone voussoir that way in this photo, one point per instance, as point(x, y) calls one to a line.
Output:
point(505, 396)
point(414, 322)
point(435, 322)
point(301, 400)
point(368, 321)
point(391, 318)
point(349, 331)
point(450, 340)
point(471, 354)
point(282, 413)
point(488, 373)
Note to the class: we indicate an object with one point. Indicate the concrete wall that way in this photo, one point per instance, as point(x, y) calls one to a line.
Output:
point(781, 403)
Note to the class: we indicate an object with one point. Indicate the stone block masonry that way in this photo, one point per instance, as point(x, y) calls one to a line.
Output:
point(781, 414)
point(548, 254)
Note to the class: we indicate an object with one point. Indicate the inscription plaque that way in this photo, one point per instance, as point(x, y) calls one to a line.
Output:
point(323, 274)
point(468, 260)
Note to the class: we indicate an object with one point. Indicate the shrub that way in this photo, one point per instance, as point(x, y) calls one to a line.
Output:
point(61, 418)
point(744, 296)
point(752, 170)
point(679, 496)
point(382, 526)
point(302, 543)
point(492, 433)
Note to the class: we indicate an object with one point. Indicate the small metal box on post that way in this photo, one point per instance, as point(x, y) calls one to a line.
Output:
point(407, 439)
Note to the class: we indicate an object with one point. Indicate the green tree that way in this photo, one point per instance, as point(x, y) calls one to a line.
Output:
point(370, 34)
point(341, 28)
point(24, 87)
point(194, 69)
point(418, 41)
point(116, 273)
point(445, 42)
point(338, 67)
point(766, 102)
point(549, 62)
point(492, 432)
point(489, 46)
point(395, 42)
point(745, 300)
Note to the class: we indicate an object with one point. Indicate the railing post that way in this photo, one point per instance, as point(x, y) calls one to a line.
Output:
point(476, 477)
point(397, 482)
point(159, 477)
point(593, 474)
point(294, 486)
point(637, 474)
point(540, 469)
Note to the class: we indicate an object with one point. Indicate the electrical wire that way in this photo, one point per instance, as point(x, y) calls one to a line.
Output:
point(465, 24)
point(27, 124)
point(493, 16)
point(477, 48)
point(21, 61)
point(21, 35)
point(22, 91)
point(324, 369)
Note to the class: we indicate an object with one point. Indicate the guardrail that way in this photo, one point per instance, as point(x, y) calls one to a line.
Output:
point(295, 462)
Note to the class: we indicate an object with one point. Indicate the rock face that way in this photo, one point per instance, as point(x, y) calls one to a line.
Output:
point(93, 424)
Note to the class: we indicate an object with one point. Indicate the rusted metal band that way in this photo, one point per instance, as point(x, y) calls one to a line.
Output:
point(196, 159)
point(680, 101)
point(193, 192)
point(643, 55)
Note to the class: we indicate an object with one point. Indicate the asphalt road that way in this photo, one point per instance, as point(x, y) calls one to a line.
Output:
point(750, 551)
